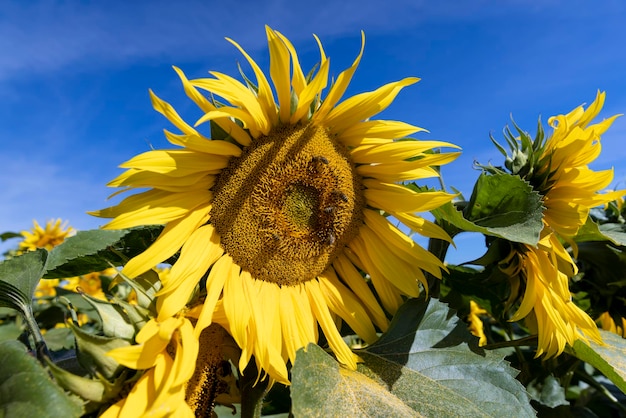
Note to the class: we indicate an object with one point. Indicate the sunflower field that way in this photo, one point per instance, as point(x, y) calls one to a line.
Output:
point(287, 257)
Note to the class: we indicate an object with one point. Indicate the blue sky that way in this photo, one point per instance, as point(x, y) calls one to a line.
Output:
point(74, 79)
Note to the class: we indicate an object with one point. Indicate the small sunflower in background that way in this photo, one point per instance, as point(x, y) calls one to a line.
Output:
point(54, 233)
point(286, 207)
point(558, 168)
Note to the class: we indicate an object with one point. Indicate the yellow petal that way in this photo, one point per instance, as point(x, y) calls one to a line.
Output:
point(398, 198)
point(339, 87)
point(168, 111)
point(161, 208)
point(264, 93)
point(230, 127)
point(214, 286)
point(393, 151)
point(298, 81)
point(279, 71)
point(250, 110)
point(168, 243)
point(197, 255)
point(365, 105)
point(350, 275)
point(237, 303)
point(320, 310)
point(341, 301)
point(176, 162)
point(384, 129)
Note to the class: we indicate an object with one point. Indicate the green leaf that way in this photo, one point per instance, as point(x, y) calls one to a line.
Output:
point(502, 205)
point(95, 390)
point(18, 279)
point(429, 360)
point(320, 388)
point(96, 250)
point(549, 392)
point(25, 388)
point(92, 351)
point(609, 358)
point(8, 235)
point(115, 322)
point(591, 231)
point(58, 339)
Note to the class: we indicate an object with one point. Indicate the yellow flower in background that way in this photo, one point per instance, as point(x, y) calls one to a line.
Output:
point(476, 325)
point(167, 351)
point(287, 209)
point(607, 323)
point(90, 283)
point(49, 237)
point(46, 288)
point(547, 303)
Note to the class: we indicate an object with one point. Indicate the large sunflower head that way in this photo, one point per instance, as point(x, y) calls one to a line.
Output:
point(286, 207)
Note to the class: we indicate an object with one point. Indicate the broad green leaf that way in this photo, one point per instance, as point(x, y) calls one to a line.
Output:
point(591, 231)
point(609, 358)
point(26, 390)
point(96, 250)
point(429, 360)
point(502, 205)
point(18, 279)
point(321, 388)
point(10, 331)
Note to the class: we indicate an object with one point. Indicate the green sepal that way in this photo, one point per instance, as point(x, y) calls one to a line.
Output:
point(97, 389)
point(115, 322)
point(92, 352)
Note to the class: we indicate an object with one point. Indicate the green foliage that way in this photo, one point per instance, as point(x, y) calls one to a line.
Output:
point(320, 388)
point(549, 392)
point(96, 250)
point(426, 363)
point(501, 205)
point(429, 359)
point(18, 279)
point(609, 358)
point(26, 390)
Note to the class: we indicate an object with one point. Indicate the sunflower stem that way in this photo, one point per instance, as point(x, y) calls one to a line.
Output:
point(439, 248)
point(253, 391)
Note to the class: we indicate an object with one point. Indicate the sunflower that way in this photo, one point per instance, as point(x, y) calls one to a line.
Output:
point(608, 323)
point(569, 188)
point(49, 237)
point(476, 325)
point(286, 207)
point(167, 351)
point(547, 305)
